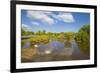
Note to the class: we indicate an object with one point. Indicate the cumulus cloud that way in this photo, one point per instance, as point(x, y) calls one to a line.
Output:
point(35, 23)
point(50, 17)
point(66, 17)
point(26, 27)
point(41, 16)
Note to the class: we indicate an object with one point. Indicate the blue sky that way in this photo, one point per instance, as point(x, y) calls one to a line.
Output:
point(53, 21)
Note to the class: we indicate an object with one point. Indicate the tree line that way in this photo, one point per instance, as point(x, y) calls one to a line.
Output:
point(83, 39)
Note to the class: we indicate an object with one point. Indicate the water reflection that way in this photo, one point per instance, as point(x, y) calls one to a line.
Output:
point(56, 50)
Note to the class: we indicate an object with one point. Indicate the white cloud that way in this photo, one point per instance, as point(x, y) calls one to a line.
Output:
point(66, 17)
point(41, 16)
point(49, 17)
point(35, 23)
point(26, 27)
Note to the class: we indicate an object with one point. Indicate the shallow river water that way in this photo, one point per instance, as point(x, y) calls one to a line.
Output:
point(56, 50)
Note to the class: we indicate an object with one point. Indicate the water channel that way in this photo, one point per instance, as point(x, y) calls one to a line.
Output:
point(57, 51)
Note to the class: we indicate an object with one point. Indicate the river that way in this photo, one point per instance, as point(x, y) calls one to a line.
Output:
point(57, 51)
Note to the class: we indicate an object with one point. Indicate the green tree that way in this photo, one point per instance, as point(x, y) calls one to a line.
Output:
point(83, 39)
